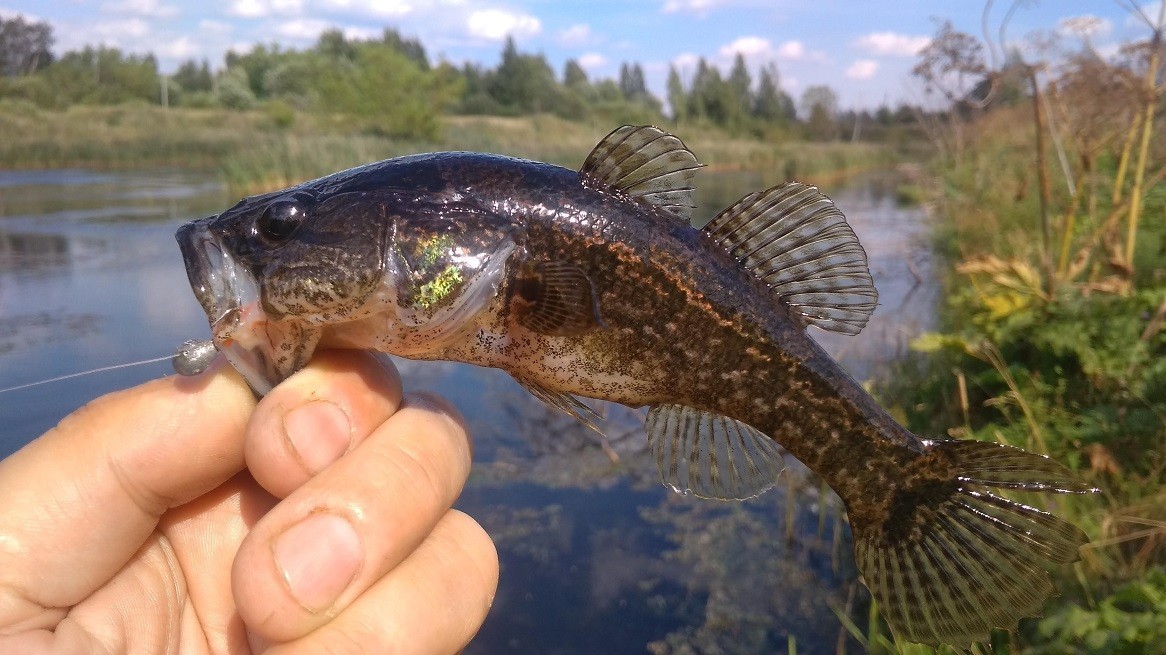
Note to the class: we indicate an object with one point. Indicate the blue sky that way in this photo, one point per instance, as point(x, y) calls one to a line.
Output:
point(863, 49)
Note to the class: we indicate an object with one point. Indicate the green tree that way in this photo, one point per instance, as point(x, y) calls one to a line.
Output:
point(739, 101)
point(708, 96)
point(770, 102)
point(192, 76)
point(333, 43)
point(386, 90)
point(677, 98)
point(411, 48)
point(24, 46)
point(820, 106)
point(574, 76)
point(102, 75)
point(256, 63)
point(523, 83)
point(233, 89)
point(631, 81)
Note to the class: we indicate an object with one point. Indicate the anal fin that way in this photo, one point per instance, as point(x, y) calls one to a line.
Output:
point(710, 455)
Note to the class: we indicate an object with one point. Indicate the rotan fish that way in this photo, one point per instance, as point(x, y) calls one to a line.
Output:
point(594, 283)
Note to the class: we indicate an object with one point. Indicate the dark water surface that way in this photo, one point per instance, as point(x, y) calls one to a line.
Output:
point(597, 557)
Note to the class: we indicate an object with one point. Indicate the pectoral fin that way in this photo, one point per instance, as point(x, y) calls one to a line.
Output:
point(564, 402)
point(557, 299)
point(710, 455)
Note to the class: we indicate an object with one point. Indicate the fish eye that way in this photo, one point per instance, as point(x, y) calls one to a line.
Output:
point(281, 218)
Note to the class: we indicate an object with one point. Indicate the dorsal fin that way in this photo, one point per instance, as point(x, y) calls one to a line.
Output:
point(796, 240)
point(647, 164)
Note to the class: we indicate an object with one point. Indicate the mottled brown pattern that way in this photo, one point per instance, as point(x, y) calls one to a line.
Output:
point(682, 321)
point(675, 320)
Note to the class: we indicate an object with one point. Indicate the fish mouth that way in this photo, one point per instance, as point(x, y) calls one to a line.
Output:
point(229, 294)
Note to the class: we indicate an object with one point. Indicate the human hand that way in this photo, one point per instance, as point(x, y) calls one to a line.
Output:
point(178, 516)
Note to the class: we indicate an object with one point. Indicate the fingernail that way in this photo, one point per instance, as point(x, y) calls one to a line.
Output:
point(320, 433)
point(318, 557)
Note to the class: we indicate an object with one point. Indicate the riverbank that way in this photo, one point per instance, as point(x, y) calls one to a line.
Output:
point(1052, 339)
point(267, 149)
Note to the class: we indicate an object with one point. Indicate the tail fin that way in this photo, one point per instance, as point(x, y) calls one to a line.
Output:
point(953, 559)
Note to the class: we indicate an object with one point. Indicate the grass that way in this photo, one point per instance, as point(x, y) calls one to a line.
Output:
point(270, 148)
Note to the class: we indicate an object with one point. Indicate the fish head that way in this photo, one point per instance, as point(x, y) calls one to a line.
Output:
point(274, 270)
point(392, 270)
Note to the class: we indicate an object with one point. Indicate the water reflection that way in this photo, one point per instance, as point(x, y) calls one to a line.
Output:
point(596, 555)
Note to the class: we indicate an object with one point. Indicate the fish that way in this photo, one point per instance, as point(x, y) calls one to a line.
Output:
point(595, 284)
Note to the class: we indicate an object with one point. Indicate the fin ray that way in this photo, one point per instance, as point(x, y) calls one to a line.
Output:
point(566, 403)
point(960, 560)
point(797, 242)
point(556, 298)
point(710, 455)
point(648, 165)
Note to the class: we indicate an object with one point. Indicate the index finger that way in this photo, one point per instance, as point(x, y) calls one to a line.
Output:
point(99, 481)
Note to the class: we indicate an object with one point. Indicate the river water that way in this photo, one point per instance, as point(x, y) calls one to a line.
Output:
point(596, 555)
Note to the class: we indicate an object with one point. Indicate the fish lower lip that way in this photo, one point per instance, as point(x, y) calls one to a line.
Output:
point(193, 239)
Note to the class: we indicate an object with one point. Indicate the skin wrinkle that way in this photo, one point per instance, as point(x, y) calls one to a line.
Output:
point(174, 619)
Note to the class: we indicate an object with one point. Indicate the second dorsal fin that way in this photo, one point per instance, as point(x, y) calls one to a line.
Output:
point(796, 240)
point(647, 164)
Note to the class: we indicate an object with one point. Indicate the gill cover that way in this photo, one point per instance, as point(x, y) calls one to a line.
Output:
point(444, 266)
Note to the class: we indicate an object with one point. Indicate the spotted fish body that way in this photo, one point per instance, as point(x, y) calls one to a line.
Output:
point(594, 284)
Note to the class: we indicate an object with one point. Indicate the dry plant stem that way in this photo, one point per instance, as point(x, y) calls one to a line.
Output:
point(1115, 214)
point(1045, 193)
point(1123, 162)
point(1151, 91)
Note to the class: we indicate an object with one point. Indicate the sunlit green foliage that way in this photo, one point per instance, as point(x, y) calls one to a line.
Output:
point(1054, 333)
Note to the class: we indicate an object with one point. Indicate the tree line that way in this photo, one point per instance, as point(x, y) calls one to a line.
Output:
point(389, 85)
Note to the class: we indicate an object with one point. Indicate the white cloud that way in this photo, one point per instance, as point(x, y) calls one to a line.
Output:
point(121, 33)
point(214, 26)
point(150, 8)
point(698, 7)
point(180, 48)
point(375, 8)
point(1085, 26)
point(575, 34)
point(791, 50)
point(748, 46)
point(862, 69)
point(262, 8)
point(1109, 52)
point(685, 61)
point(303, 29)
point(353, 33)
point(497, 24)
point(592, 60)
point(890, 43)
point(10, 14)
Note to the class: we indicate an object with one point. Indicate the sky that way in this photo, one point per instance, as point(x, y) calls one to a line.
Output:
point(863, 49)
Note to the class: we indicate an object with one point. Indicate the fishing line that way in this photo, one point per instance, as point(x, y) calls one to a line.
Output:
point(191, 358)
point(89, 372)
